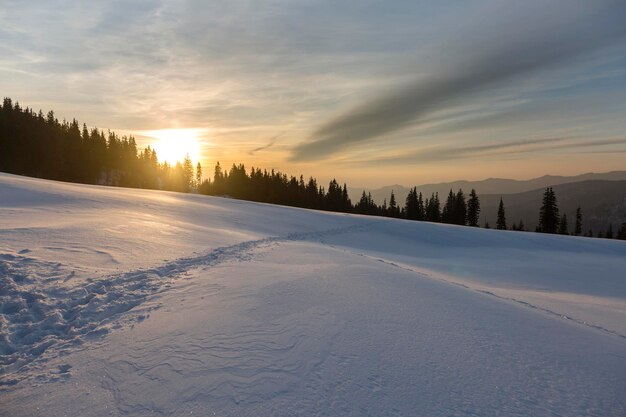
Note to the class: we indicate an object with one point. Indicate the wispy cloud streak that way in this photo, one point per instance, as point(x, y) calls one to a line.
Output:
point(264, 147)
point(525, 146)
point(541, 35)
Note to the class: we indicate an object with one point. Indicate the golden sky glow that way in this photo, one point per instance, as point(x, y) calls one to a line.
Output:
point(372, 93)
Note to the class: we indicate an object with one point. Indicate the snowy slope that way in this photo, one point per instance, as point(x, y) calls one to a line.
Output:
point(130, 302)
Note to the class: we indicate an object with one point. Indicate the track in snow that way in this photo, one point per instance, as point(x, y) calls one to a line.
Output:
point(471, 287)
point(40, 321)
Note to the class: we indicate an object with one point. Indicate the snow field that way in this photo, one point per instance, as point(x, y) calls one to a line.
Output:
point(130, 302)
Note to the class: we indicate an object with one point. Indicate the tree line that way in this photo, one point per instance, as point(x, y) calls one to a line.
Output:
point(550, 221)
point(40, 146)
point(278, 188)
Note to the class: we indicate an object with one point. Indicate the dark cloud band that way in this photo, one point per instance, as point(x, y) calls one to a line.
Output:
point(530, 39)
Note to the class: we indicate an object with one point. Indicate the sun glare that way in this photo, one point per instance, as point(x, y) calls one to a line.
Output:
point(172, 145)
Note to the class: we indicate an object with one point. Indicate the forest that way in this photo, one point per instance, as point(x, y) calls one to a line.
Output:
point(38, 145)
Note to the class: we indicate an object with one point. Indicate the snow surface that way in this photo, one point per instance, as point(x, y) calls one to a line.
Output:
point(131, 302)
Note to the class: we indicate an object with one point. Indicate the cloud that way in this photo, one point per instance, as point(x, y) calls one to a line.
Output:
point(524, 146)
point(535, 37)
point(267, 146)
point(247, 70)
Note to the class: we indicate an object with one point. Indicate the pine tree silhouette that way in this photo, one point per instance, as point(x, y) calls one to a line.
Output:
point(198, 174)
point(501, 221)
point(460, 209)
point(609, 232)
point(411, 208)
point(394, 211)
point(578, 228)
point(563, 227)
point(433, 208)
point(421, 208)
point(549, 213)
point(473, 209)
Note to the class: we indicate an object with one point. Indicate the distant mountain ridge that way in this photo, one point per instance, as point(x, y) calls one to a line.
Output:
point(601, 196)
point(483, 187)
point(602, 202)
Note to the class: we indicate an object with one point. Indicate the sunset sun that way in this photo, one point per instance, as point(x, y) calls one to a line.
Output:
point(172, 145)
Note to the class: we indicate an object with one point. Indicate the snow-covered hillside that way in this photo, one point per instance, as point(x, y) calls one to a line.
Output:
point(130, 302)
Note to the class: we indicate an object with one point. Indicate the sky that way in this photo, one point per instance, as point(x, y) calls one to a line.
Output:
point(370, 92)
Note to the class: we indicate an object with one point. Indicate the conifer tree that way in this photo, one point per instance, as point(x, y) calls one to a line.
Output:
point(334, 196)
point(218, 179)
point(198, 174)
point(365, 205)
point(473, 209)
point(433, 208)
point(621, 233)
point(411, 208)
point(421, 208)
point(188, 175)
point(455, 209)
point(501, 221)
point(549, 213)
point(563, 227)
point(460, 209)
point(578, 228)
point(447, 214)
point(346, 204)
point(393, 206)
point(609, 232)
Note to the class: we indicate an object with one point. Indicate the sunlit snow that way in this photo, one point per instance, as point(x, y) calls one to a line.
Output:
point(130, 302)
